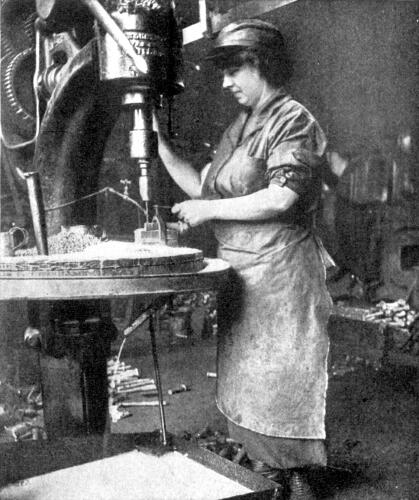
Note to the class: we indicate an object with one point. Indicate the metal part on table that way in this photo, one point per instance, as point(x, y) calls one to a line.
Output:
point(7, 241)
point(156, 231)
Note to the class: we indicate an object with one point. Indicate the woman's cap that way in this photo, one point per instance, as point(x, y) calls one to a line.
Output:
point(248, 33)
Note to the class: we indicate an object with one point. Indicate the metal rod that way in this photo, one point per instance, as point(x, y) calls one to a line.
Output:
point(85, 401)
point(136, 324)
point(36, 202)
point(141, 403)
point(155, 326)
point(147, 211)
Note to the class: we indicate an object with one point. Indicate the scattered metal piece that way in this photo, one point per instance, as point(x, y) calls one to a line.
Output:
point(19, 431)
point(181, 388)
point(127, 404)
point(203, 433)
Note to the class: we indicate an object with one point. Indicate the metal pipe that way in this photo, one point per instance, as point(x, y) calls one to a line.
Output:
point(155, 326)
point(36, 202)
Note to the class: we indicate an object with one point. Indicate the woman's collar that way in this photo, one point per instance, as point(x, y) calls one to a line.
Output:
point(265, 105)
point(253, 121)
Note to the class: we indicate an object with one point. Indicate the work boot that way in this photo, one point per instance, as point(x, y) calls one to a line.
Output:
point(299, 487)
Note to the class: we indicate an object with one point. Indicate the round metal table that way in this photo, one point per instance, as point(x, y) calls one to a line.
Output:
point(43, 288)
point(15, 287)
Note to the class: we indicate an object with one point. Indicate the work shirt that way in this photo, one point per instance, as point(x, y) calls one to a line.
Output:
point(273, 312)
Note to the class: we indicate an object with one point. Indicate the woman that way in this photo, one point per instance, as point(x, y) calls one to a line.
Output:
point(260, 193)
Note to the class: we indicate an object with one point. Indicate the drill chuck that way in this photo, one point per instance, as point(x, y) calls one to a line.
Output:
point(143, 144)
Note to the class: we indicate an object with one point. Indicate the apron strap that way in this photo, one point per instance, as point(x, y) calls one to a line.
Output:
point(327, 259)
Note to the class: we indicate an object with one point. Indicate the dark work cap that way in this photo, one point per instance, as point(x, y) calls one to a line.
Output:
point(248, 33)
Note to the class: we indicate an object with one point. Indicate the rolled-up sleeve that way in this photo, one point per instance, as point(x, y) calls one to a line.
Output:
point(294, 151)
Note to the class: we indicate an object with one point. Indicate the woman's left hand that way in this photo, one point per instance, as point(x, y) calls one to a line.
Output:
point(193, 212)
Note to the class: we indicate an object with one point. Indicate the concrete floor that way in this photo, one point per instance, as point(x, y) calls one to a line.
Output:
point(371, 419)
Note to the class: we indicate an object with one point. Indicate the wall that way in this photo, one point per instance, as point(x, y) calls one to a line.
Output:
point(355, 69)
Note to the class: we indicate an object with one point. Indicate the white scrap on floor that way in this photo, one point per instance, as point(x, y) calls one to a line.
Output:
point(130, 476)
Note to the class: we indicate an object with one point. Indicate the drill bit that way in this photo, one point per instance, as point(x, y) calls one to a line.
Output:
point(147, 211)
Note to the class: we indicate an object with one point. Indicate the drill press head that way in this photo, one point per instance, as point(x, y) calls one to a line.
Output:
point(151, 29)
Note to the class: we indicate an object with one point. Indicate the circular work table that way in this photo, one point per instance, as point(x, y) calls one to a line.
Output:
point(19, 286)
point(109, 270)
point(68, 303)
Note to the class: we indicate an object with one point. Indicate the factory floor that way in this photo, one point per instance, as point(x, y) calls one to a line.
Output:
point(372, 417)
point(372, 412)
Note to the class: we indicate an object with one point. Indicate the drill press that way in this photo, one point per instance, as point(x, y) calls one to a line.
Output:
point(151, 29)
point(92, 58)
point(132, 52)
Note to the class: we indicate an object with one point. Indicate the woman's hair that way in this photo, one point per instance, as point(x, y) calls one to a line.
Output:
point(273, 62)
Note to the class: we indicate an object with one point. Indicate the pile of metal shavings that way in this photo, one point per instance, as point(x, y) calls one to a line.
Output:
point(88, 247)
point(21, 414)
point(135, 250)
point(402, 318)
point(63, 243)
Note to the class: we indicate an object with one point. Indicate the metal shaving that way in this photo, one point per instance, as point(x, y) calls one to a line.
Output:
point(64, 242)
point(81, 247)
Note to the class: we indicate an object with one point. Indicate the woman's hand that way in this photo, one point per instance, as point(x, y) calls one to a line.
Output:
point(193, 212)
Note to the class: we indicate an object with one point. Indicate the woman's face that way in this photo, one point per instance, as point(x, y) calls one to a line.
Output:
point(245, 83)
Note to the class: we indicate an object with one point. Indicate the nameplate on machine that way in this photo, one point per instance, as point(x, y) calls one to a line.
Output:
point(145, 44)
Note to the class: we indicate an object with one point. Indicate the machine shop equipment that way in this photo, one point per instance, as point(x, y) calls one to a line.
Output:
point(93, 60)
point(133, 51)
